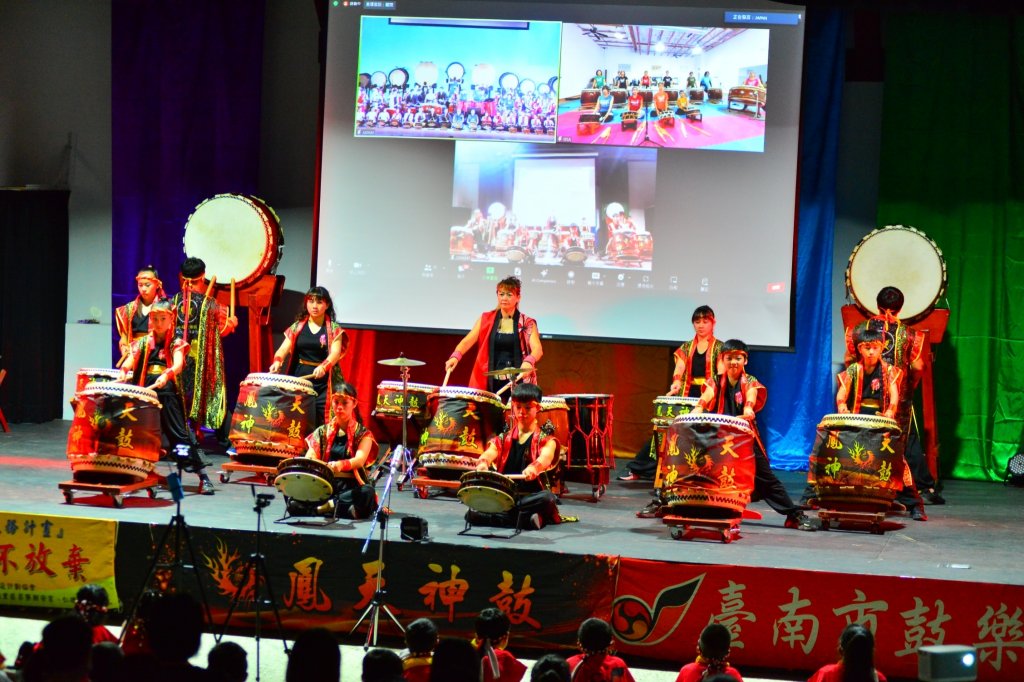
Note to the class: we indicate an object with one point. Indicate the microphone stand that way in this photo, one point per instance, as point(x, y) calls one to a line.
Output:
point(380, 517)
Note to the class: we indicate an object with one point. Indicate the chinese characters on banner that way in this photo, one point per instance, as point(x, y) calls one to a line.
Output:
point(45, 559)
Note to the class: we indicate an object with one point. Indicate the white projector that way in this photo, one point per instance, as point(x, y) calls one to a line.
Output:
point(947, 663)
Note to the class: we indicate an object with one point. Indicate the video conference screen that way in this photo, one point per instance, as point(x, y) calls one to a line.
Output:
point(622, 160)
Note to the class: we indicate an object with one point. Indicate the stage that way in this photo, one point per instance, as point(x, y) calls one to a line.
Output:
point(952, 579)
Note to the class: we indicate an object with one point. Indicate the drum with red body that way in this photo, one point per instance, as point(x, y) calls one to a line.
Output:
point(92, 375)
point(666, 409)
point(115, 433)
point(645, 245)
point(590, 429)
point(388, 409)
point(856, 463)
point(709, 468)
point(589, 124)
point(460, 242)
point(504, 239)
point(623, 248)
point(272, 418)
point(464, 419)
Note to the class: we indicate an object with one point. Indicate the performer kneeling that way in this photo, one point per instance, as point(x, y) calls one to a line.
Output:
point(347, 447)
point(524, 450)
point(157, 360)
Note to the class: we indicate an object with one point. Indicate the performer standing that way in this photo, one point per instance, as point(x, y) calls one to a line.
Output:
point(314, 344)
point(132, 319)
point(696, 364)
point(157, 360)
point(522, 450)
point(348, 448)
point(739, 394)
point(201, 322)
point(507, 338)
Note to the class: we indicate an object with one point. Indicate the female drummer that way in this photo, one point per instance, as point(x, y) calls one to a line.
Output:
point(313, 345)
point(132, 319)
point(348, 448)
point(696, 365)
point(157, 360)
point(507, 338)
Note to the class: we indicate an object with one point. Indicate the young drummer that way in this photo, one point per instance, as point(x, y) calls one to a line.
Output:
point(739, 394)
point(870, 385)
point(157, 360)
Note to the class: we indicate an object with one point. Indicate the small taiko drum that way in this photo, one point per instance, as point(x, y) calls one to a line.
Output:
point(590, 429)
point(92, 375)
point(623, 248)
point(666, 409)
point(588, 124)
point(115, 433)
point(304, 479)
point(273, 416)
point(708, 466)
point(460, 243)
point(464, 419)
point(629, 120)
point(856, 462)
point(487, 491)
point(238, 237)
point(666, 118)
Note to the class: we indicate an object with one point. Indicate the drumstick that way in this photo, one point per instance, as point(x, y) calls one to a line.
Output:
point(504, 388)
point(231, 304)
point(312, 376)
point(446, 375)
point(124, 356)
point(209, 289)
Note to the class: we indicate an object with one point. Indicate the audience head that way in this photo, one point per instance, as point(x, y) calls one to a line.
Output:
point(455, 660)
point(64, 651)
point(492, 624)
point(594, 636)
point(91, 603)
point(382, 665)
point(421, 636)
point(713, 646)
point(315, 657)
point(228, 660)
point(857, 651)
point(107, 662)
point(175, 627)
point(550, 668)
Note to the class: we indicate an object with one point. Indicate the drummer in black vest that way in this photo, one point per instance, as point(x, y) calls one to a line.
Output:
point(157, 360)
point(313, 345)
point(348, 448)
point(523, 450)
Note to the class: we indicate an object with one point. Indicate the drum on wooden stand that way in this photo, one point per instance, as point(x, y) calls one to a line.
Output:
point(388, 409)
point(855, 463)
point(666, 409)
point(273, 416)
point(589, 456)
point(709, 466)
point(898, 256)
point(115, 433)
point(464, 419)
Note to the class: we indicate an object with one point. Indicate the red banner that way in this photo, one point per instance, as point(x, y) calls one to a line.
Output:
point(786, 619)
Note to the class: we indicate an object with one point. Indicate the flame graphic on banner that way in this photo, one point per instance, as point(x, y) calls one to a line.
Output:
point(636, 622)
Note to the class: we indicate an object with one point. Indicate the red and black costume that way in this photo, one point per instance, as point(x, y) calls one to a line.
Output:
point(310, 350)
point(512, 458)
point(599, 666)
point(199, 322)
point(353, 496)
point(497, 351)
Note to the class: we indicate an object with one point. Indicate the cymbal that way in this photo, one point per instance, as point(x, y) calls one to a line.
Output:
point(401, 361)
point(508, 371)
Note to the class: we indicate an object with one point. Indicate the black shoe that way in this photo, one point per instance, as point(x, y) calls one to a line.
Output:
point(932, 497)
point(917, 513)
point(206, 485)
point(629, 476)
point(801, 521)
point(651, 511)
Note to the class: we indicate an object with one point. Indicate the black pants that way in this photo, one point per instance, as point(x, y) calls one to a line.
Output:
point(645, 463)
point(544, 503)
point(768, 485)
point(174, 429)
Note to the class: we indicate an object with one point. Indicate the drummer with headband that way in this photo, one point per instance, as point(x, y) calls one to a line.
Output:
point(313, 345)
point(739, 394)
point(347, 447)
point(200, 322)
point(157, 360)
point(524, 450)
point(132, 319)
point(504, 337)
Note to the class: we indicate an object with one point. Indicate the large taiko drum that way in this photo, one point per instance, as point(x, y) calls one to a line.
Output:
point(273, 416)
point(92, 375)
point(238, 237)
point(115, 433)
point(645, 245)
point(666, 409)
point(856, 463)
point(709, 466)
point(464, 420)
point(590, 429)
point(898, 256)
point(390, 400)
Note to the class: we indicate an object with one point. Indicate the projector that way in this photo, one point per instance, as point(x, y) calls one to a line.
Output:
point(947, 663)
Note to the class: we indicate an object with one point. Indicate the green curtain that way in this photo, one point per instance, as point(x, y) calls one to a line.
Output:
point(952, 165)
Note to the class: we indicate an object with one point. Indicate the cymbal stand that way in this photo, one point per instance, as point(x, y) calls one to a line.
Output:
point(380, 517)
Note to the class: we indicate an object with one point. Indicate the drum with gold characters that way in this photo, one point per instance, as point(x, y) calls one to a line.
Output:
point(708, 470)
point(856, 463)
point(115, 433)
point(464, 420)
point(273, 416)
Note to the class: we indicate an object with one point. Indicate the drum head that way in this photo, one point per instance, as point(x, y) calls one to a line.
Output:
point(902, 257)
point(303, 486)
point(238, 237)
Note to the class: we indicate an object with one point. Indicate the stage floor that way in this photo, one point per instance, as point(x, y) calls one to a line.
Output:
point(974, 537)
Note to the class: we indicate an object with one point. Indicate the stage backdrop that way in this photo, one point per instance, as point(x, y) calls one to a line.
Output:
point(957, 173)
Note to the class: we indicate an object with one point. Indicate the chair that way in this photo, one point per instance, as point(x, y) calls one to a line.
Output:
point(3, 421)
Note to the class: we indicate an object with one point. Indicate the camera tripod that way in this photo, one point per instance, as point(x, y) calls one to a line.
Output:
point(256, 574)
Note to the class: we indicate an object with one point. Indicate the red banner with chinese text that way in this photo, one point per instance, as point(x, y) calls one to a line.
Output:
point(45, 559)
point(788, 619)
